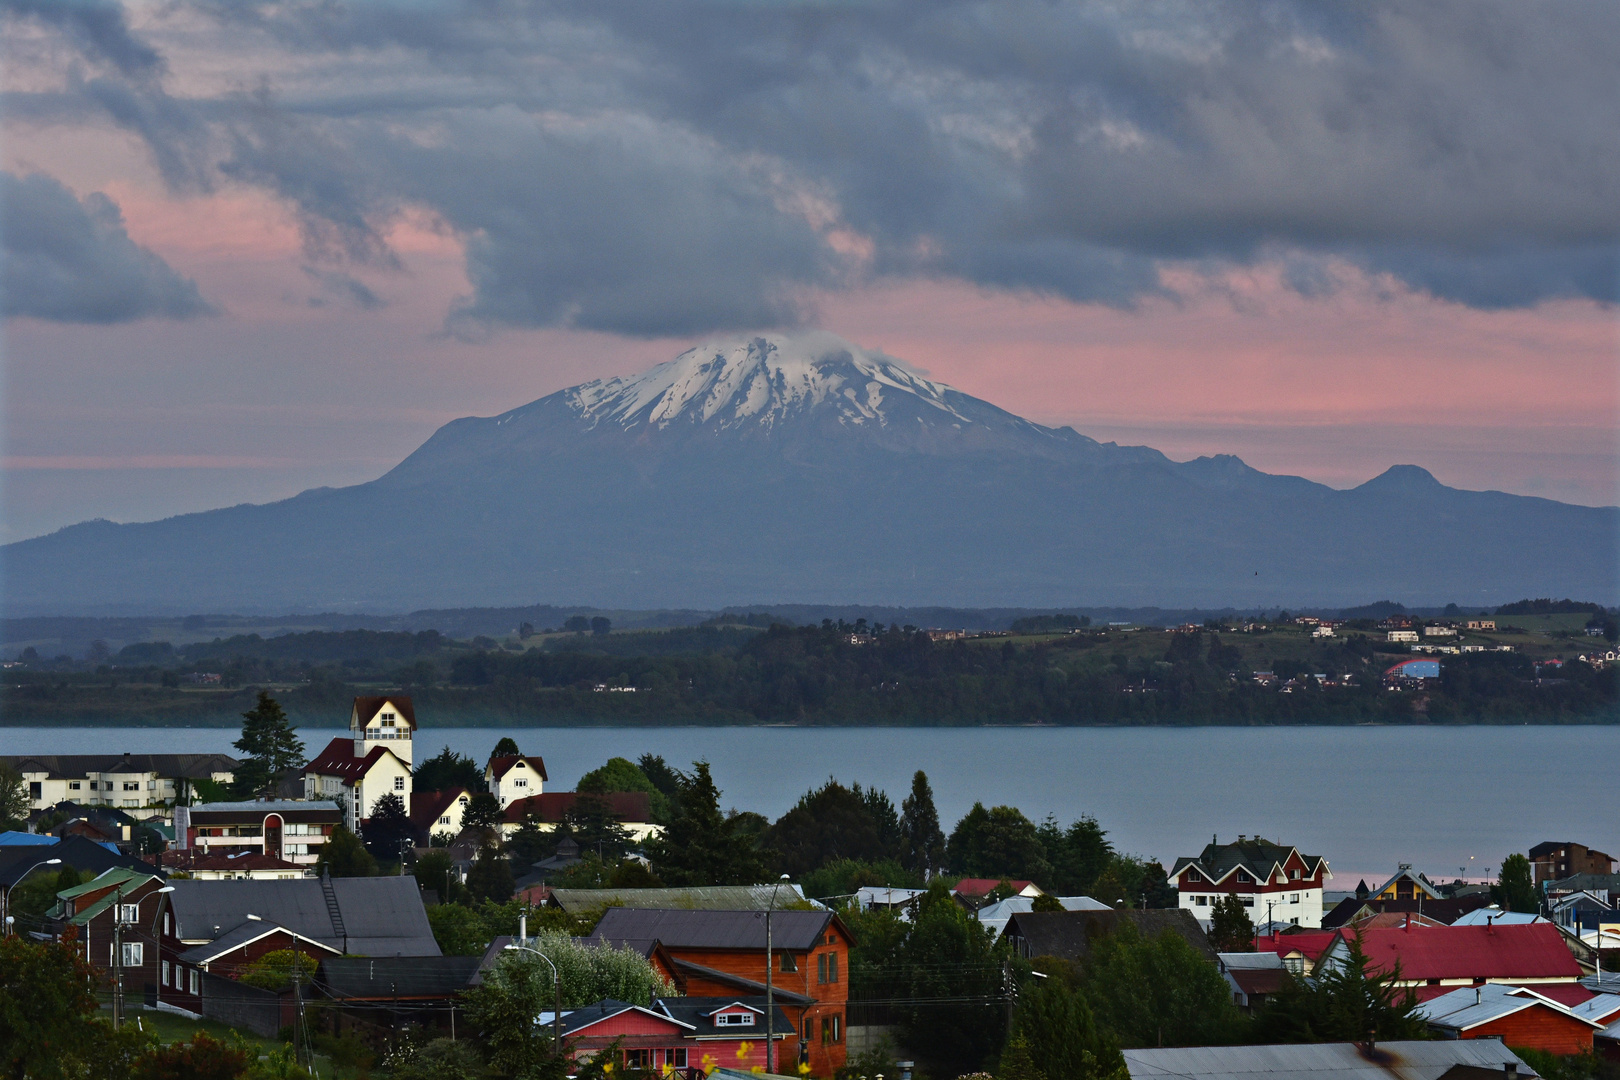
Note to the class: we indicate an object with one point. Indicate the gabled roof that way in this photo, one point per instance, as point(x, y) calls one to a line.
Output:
point(196, 859)
point(1310, 945)
point(553, 807)
point(1471, 1006)
point(338, 760)
point(1406, 873)
point(500, 766)
point(985, 886)
point(367, 708)
point(428, 806)
point(85, 855)
point(792, 930)
point(377, 916)
point(77, 766)
point(698, 1014)
point(106, 887)
point(1322, 1061)
point(1446, 910)
point(697, 897)
point(580, 1021)
point(1069, 934)
point(244, 935)
point(1261, 858)
point(1535, 951)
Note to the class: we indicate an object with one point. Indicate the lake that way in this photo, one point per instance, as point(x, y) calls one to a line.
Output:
point(1366, 798)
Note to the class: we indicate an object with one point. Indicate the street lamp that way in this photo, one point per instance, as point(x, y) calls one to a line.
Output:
point(556, 982)
point(770, 1007)
point(19, 881)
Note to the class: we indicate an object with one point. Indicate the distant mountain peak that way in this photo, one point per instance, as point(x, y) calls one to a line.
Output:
point(1403, 478)
point(764, 381)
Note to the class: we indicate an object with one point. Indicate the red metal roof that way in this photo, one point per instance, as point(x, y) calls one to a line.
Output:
point(195, 859)
point(1309, 945)
point(338, 760)
point(982, 886)
point(1525, 951)
point(428, 806)
point(498, 766)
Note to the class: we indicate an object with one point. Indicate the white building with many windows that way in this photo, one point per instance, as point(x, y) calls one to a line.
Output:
point(373, 761)
point(1276, 883)
point(126, 781)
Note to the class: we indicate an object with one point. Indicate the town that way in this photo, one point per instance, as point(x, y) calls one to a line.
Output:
point(365, 909)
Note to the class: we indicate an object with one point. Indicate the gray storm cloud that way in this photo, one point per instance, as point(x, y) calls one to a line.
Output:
point(70, 260)
point(661, 169)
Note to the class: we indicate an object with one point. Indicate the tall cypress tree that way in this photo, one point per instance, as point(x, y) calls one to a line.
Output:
point(702, 846)
point(922, 843)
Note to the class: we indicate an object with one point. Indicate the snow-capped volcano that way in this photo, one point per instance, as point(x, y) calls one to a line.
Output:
point(786, 389)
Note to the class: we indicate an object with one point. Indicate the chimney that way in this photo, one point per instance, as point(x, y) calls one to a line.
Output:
point(1408, 926)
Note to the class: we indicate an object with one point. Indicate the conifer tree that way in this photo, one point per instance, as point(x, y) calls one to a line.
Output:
point(702, 846)
point(922, 843)
point(270, 745)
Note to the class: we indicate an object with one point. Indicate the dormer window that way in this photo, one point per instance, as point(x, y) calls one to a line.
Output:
point(1294, 874)
point(1242, 877)
point(1192, 875)
point(734, 1020)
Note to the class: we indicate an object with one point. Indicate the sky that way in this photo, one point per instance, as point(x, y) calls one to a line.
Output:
point(252, 248)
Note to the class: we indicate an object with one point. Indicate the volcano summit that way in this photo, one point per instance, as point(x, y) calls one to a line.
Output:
point(805, 469)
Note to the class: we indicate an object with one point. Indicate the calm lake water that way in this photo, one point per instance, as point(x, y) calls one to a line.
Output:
point(1366, 798)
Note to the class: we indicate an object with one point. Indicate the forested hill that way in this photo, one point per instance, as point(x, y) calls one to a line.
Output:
point(842, 674)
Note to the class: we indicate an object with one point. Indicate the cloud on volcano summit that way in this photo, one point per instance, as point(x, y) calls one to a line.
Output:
point(676, 168)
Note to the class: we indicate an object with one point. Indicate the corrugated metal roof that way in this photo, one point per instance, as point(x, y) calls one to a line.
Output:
point(1536, 951)
point(1471, 1006)
point(639, 928)
point(704, 897)
point(382, 916)
point(1321, 1061)
point(265, 806)
point(1251, 961)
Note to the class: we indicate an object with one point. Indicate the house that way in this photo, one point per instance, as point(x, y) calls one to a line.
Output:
point(1068, 935)
point(201, 865)
point(124, 780)
point(1299, 951)
point(1480, 624)
point(904, 902)
point(1446, 909)
point(113, 916)
point(1401, 636)
point(1277, 882)
point(720, 953)
point(1516, 1015)
point(387, 992)
point(514, 777)
point(1433, 630)
point(994, 917)
point(1253, 977)
point(1554, 860)
point(1407, 884)
point(630, 808)
point(1437, 959)
point(1606, 885)
point(289, 830)
point(373, 761)
point(213, 929)
point(676, 1035)
point(972, 892)
point(434, 812)
point(32, 860)
point(1482, 1059)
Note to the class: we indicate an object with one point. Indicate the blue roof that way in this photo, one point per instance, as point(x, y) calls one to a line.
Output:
point(24, 839)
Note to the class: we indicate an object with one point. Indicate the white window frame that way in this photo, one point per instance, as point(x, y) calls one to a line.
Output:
point(134, 955)
point(128, 914)
point(399, 783)
point(196, 982)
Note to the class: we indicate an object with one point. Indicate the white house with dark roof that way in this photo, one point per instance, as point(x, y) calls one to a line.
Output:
point(512, 777)
point(372, 761)
point(1276, 883)
point(129, 781)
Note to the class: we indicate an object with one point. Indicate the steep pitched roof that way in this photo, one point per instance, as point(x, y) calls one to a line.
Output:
point(244, 935)
point(1261, 858)
point(553, 807)
point(367, 708)
point(1467, 1008)
point(1533, 951)
point(428, 806)
point(1446, 910)
point(985, 886)
point(1069, 934)
point(638, 928)
point(338, 760)
point(1406, 873)
point(500, 766)
point(698, 1014)
point(380, 916)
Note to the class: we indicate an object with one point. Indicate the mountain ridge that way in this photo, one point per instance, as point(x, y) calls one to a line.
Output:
point(810, 469)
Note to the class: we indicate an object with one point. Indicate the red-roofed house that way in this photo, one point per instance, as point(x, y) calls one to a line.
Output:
point(976, 889)
point(1436, 959)
point(1516, 1015)
point(630, 808)
point(1299, 952)
point(438, 811)
point(375, 760)
point(512, 777)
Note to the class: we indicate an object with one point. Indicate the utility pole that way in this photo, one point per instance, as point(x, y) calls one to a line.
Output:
point(770, 999)
point(118, 956)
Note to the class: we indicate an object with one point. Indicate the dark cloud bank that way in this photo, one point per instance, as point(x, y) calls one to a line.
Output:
point(675, 168)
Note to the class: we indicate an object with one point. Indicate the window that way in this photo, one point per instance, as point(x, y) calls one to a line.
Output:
point(1242, 877)
point(151, 785)
point(389, 717)
point(163, 978)
point(520, 783)
point(165, 930)
point(74, 785)
point(196, 982)
point(639, 1058)
point(445, 820)
point(133, 954)
point(831, 940)
point(132, 785)
point(1294, 874)
point(675, 1057)
point(821, 967)
point(106, 785)
point(1293, 898)
point(1246, 901)
point(734, 1020)
point(832, 967)
point(809, 1030)
point(128, 913)
point(831, 1029)
point(1192, 875)
point(1201, 901)
point(399, 783)
point(789, 963)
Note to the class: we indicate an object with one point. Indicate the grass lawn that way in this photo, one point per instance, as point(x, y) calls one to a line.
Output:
point(171, 1028)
